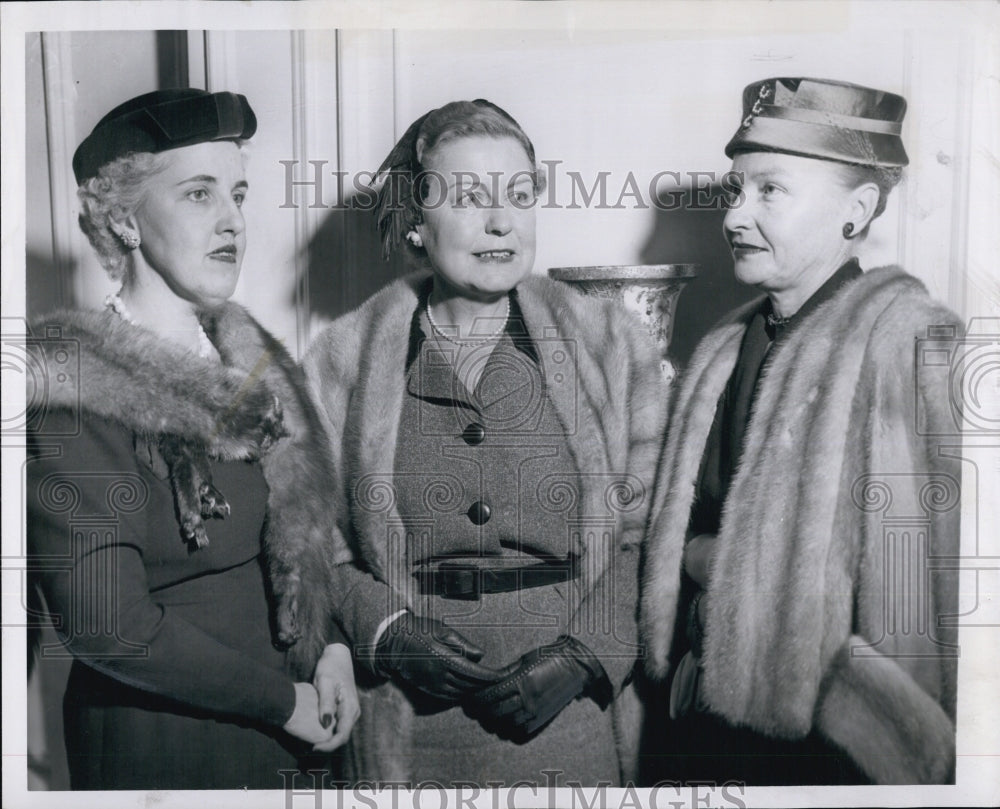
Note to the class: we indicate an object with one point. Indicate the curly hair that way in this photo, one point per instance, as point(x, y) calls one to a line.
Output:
point(115, 193)
point(404, 174)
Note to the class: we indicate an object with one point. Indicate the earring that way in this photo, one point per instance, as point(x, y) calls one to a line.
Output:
point(130, 239)
point(848, 230)
point(414, 238)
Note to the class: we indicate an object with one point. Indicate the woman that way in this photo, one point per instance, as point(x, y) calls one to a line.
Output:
point(792, 659)
point(495, 433)
point(177, 428)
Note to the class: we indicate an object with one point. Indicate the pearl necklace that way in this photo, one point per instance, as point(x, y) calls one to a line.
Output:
point(477, 341)
point(117, 305)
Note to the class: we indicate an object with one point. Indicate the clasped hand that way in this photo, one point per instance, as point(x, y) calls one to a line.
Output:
point(534, 690)
point(515, 701)
point(431, 657)
point(327, 709)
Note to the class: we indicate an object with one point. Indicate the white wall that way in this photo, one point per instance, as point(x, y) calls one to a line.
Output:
point(623, 102)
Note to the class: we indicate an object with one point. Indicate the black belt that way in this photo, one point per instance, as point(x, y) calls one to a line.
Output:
point(467, 582)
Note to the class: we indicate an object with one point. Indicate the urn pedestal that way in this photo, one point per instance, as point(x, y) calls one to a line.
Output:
point(648, 291)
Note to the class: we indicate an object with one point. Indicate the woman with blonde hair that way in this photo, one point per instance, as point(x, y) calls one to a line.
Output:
point(177, 436)
point(496, 434)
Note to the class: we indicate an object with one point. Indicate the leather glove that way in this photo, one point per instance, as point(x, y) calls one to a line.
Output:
point(431, 657)
point(538, 686)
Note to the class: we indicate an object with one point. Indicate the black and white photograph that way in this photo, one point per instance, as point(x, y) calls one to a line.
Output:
point(501, 404)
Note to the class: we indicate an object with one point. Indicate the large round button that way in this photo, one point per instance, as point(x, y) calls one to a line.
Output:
point(479, 512)
point(474, 434)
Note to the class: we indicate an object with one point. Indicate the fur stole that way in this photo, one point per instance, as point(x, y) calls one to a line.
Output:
point(796, 626)
point(254, 405)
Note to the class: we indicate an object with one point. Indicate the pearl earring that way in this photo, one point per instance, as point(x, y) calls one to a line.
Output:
point(414, 238)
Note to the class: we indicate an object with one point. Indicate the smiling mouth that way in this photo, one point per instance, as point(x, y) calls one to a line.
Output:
point(495, 256)
point(739, 248)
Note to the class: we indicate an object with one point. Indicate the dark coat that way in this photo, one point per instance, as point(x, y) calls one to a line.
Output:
point(177, 682)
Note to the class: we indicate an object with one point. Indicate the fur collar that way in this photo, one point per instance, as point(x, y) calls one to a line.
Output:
point(128, 375)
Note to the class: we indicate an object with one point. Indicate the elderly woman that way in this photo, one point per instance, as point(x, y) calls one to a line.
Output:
point(782, 595)
point(176, 428)
point(496, 433)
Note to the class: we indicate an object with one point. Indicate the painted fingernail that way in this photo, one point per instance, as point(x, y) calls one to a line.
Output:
point(326, 721)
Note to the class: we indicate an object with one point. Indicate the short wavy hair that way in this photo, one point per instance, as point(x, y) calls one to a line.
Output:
point(404, 175)
point(115, 193)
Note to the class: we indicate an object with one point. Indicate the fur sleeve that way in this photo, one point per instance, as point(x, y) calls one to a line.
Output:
point(889, 697)
point(892, 729)
point(623, 391)
point(694, 398)
point(648, 400)
point(331, 369)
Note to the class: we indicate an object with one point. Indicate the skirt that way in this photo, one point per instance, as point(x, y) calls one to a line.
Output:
point(448, 747)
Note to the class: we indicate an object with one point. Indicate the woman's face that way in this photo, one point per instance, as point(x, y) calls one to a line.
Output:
point(788, 229)
point(190, 221)
point(478, 218)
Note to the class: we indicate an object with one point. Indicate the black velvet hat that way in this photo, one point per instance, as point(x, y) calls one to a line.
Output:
point(162, 120)
point(832, 120)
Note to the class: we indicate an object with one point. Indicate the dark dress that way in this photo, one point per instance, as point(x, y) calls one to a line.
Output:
point(701, 746)
point(175, 682)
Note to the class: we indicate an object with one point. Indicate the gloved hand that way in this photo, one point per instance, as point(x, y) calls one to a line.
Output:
point(431, 657)
point(538, 686)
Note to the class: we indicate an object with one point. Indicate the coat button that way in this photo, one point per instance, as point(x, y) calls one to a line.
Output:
point(479, 512)
point(474, 434)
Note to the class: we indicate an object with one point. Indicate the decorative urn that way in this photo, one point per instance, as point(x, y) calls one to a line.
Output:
point(649, 291)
